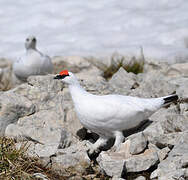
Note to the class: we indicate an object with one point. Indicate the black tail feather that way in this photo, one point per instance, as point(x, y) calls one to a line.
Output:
point(172, 98)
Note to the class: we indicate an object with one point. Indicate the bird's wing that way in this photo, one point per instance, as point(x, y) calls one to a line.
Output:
point(46, 63)
point(105, 108)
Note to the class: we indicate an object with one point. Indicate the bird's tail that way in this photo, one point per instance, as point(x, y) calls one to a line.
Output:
point(171, 98)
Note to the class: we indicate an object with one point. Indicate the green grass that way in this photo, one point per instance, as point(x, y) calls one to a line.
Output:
point(135, 66)
point(130, 64)
point(12, 161)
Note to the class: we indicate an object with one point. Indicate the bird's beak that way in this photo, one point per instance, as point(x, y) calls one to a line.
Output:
point(58, 77)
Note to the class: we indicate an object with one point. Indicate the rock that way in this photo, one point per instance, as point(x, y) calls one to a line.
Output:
point(85, 72)
point(122, 81)
point(186, 173)
point(141, 162)
point(182, 86)
point(12, 108)
point(174, 166)
point(43, 151)
point(152, 65)
point(184, 109)
point(163, 153)
point(13, 131)
point(168, 121)
point(101, 86)
point(178, 174)
point(121, 162)
point(113, 165)
point(101, 63)
point(180, 69)
point(43, 91)
point(108, 160)
point(167, 126)
point(72, 123)
point(138, 143)
point(74, 158)
point(55, 123)
point(66, 139)
point(74, 64)
point(163, 140)
point(174, 123)
point(153, 84)
point(161, 114)
point(45, 129)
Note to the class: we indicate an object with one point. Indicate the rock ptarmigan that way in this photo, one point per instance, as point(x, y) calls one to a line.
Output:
point(109, 115)
point(33, 62)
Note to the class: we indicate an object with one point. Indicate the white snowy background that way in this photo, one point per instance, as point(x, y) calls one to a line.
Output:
point(98, 27)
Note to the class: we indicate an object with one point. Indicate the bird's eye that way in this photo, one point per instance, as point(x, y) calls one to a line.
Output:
point(27, 39)
point(34, 39)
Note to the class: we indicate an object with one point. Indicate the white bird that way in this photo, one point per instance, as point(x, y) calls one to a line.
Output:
point(109, 115)
point(33, 62)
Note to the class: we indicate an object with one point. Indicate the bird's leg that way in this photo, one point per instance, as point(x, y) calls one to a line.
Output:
point(94, 148)
point(119, 138)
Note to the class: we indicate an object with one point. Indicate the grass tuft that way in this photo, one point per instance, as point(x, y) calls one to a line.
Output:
point(16, 164)
point(135, 66)
point(130, 64)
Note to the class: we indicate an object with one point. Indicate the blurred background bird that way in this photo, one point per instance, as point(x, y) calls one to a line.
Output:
point(33, 62)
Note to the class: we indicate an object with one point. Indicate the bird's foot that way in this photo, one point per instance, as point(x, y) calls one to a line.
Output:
point(94, 149)
point(91, 149)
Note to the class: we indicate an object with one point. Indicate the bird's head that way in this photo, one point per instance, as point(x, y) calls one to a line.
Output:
point(30, 42)
point(67, 77)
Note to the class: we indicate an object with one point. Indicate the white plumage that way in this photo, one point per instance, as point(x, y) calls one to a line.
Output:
point(33, 62)
point(109, 115)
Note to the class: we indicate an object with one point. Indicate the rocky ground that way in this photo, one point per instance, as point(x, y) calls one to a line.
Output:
point(41, 112)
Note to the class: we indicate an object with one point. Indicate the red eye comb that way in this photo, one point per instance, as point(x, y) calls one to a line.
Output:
point(64, 72)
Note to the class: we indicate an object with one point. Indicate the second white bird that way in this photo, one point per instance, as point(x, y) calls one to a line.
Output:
point(33, 62)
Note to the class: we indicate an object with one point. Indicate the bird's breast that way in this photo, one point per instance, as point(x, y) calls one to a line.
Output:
point(87, 115)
